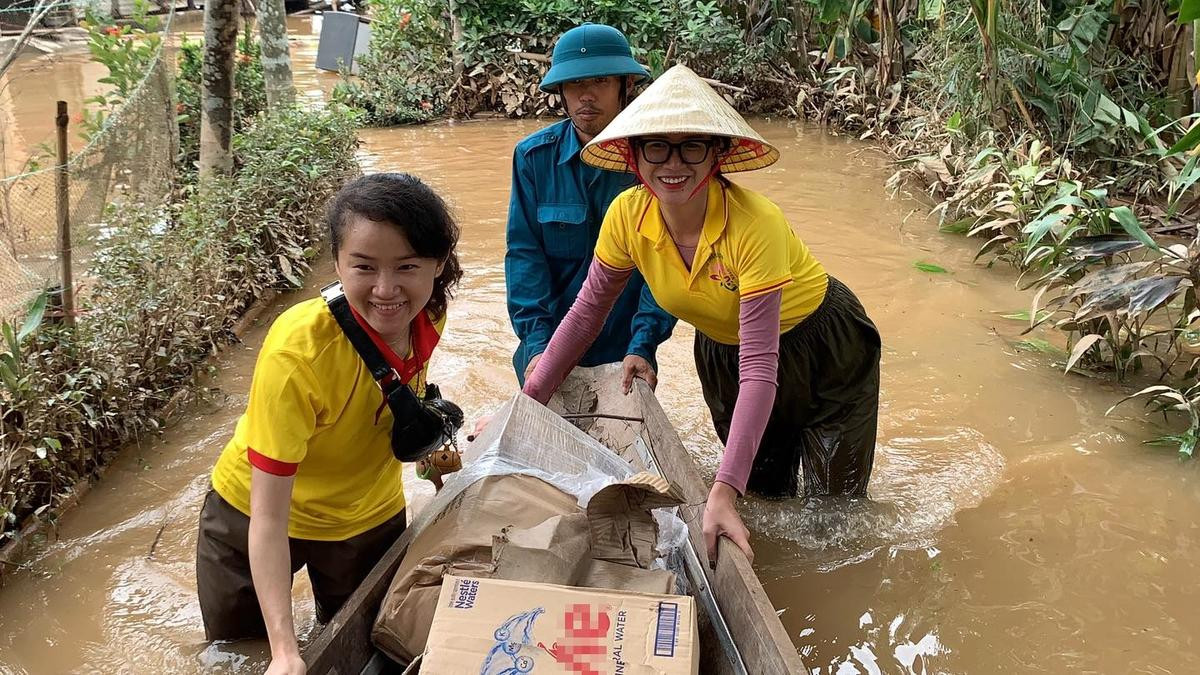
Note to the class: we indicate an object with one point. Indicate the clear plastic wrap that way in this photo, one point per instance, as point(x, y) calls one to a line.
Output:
point(528, 439)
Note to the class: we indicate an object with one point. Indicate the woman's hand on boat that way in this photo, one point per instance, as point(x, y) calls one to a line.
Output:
point(480, 425)
point(531, 365)
point(721, 519)
point(636, 366)
point(287, 664)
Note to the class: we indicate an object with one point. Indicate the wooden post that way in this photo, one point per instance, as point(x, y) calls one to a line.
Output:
point(63, 207)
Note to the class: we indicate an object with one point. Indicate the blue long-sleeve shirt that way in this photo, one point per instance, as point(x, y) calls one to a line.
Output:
point(554, 215)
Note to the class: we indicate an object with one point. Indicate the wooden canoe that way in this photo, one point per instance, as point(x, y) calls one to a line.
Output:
point(742, 634)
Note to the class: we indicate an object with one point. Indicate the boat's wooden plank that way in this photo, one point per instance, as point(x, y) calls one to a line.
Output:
point(597, 390)
point(344, 646)
point(764, 644)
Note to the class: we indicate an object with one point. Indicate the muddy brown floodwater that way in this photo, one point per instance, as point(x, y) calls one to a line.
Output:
point(1013, 527)
point(30, 89)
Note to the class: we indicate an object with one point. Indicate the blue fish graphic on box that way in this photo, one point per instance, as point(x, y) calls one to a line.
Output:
point(512, 637)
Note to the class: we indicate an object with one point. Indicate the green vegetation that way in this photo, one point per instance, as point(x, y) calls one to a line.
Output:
point(408, 76)
point(1060, 132)
point(250, 96)
point(168, 282)
point(128, 51)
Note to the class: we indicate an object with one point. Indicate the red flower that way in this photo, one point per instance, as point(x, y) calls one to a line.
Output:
point(426, 105)
point(404, 19)
point(244, 59)
point(113, 30)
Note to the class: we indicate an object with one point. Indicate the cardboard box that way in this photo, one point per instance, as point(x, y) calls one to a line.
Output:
point(499, 627)
point(520, 528)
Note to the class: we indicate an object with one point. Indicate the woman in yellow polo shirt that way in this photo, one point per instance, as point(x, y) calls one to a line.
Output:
point(787, 357)
point(309, 477)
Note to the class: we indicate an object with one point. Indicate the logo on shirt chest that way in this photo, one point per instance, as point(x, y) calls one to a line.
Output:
point(721, 274)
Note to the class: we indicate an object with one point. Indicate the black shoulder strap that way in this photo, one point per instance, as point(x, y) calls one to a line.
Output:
point(385, 376)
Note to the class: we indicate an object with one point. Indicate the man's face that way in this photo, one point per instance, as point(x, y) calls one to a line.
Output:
point(593, 103)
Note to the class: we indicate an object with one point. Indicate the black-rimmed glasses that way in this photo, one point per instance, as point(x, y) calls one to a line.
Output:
point(659, 152)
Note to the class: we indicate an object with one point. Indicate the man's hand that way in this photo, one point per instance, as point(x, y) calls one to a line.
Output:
point(287, 664)
point(532, 364)
point(636, 366)
point(721, 519)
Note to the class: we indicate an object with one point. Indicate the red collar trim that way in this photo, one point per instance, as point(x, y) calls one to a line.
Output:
point(424, 336)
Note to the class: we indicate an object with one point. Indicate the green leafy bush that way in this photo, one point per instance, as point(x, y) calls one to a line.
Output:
point(128, 51)
point(169, 282)
point(408, 76)
point(405, 78)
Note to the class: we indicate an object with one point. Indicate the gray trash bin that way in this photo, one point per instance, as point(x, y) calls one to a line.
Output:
point(344, 37)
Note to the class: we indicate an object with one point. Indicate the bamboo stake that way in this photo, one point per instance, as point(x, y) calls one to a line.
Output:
point(1024, 111)
point(63, 207)
point(1195, 69)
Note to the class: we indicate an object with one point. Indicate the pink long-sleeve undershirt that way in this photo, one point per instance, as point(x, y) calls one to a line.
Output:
point(758, 360)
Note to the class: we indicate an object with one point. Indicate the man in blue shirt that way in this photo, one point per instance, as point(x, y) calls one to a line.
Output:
point(558, 203)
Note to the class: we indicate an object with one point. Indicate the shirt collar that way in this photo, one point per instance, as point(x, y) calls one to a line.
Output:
point(716, 215)
point(423, 337)
point(568, 144)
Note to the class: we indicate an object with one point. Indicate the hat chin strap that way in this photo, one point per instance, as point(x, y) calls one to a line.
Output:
point(631, 161)
point(704, 183)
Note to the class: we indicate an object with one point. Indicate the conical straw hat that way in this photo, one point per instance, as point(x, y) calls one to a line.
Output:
point(680, 102)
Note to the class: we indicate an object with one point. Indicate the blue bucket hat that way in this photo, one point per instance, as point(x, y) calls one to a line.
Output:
point(590, 50)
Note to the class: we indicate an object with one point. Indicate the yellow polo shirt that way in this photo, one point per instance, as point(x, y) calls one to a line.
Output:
point(746, 249)
point(312, 412)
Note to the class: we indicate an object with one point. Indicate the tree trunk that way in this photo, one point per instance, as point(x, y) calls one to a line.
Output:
point(456, 34)
point(216, 96)
point(277, 63)
point(801, 22)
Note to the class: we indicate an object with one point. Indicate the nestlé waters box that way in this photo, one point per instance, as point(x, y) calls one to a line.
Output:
point(497, 627)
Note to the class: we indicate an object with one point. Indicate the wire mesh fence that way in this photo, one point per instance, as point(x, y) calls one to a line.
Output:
point(128, 157)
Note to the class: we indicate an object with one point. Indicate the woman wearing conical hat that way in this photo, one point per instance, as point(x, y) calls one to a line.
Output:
point(787, 358)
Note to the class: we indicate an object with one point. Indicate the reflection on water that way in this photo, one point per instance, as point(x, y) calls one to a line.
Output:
point(1011, 525)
